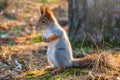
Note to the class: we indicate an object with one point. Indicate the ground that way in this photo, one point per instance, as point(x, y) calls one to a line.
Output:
point(23, 54)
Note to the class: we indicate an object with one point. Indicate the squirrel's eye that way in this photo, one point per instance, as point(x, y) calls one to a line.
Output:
point(43, 21)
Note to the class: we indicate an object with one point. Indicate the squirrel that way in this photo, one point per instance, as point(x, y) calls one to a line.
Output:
point(59, 51)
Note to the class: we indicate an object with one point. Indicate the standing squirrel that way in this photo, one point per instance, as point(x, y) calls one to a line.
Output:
point(59, 51)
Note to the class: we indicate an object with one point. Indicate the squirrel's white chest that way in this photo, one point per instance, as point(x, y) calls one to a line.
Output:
point(47, 33)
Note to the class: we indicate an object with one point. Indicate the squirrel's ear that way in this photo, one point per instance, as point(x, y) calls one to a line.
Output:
point(49, 14)
point(42, 10)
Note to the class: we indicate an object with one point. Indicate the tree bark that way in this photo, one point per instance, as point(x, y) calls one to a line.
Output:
point(76, 17)
point(96, 19)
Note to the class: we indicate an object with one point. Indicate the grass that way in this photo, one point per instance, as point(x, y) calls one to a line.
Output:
point(37, 39)
point(45, 1)
point(86, 45)
point(17, 29)
point(3, 32)
point(71, 73)
point(61, 76)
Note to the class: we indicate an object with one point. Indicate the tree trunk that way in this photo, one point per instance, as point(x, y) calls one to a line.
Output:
point(96, 19)
point(76, 18)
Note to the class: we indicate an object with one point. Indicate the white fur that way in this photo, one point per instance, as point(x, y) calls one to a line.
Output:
point(47, 33)
point(51, 52)
point(51, 47)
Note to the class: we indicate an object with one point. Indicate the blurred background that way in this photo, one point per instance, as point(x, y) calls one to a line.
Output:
point(17, 18)
point(96, 21)
point(90, 21)
point(21, 48)
point(93, 26)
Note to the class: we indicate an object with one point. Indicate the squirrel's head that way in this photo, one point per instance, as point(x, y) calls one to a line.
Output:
point(46, 19)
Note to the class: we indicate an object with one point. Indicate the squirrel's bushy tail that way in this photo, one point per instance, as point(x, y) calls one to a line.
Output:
point(103, 59)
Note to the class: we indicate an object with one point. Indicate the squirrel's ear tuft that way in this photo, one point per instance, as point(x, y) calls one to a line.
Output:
point(42, 10)
point(49, 14)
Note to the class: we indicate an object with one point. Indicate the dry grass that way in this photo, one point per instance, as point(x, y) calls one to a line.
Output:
point(33, 59)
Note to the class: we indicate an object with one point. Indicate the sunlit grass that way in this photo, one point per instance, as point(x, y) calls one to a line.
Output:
point(45, 1)
point(41, 74)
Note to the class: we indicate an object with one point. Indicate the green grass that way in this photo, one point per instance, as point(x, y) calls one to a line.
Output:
point(74, 72)
point(4, 32)
point(17, 29)
point(37, 39)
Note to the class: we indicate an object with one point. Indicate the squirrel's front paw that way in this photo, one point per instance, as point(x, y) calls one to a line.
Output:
point(49, 68)
point(45, 40)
